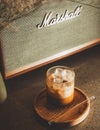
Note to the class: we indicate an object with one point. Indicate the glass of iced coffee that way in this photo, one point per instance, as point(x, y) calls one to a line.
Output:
point(60, 85)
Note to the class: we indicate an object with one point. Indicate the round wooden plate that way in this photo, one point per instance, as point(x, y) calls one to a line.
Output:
point(71, 114)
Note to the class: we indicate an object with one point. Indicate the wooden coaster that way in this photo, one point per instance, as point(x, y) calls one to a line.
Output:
point(63, 114)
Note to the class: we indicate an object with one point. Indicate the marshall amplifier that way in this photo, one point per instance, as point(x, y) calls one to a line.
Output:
point(52, 31)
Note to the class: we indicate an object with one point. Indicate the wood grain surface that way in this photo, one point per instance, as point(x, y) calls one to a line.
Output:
point(63, 114)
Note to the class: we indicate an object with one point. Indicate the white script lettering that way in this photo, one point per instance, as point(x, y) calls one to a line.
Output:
point(48, 20)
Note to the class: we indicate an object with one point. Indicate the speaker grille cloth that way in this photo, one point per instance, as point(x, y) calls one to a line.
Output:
point(29, 44)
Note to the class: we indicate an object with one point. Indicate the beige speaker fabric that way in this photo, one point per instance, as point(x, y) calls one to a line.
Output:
point(23, 43)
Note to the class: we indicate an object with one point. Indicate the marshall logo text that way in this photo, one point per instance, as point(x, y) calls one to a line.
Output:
point(48, 20)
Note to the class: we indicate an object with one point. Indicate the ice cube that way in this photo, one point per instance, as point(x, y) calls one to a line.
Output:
point(57, 80)
point(57, 86)
point(64, 72)
point(70, 76)
point(67, 85)
point(57, 83)
point(67, 93)
point(58, 72)
point(64, 75)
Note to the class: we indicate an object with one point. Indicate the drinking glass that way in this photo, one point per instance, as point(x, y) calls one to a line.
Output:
point(60, 82)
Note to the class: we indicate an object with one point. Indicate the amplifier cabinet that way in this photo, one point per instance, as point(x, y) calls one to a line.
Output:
point(53, 31)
